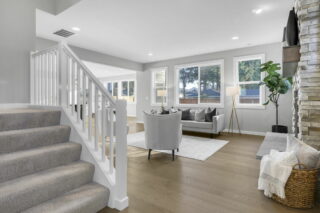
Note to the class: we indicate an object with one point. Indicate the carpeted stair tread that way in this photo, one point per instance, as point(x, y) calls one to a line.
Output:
point(28, 118)
point(89, 198)
point(17, 164)
point(17, 140)
point(25, 192)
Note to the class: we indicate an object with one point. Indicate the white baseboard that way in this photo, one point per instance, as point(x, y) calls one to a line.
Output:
point(247, 132)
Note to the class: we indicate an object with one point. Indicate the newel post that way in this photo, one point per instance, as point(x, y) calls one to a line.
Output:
point(62, 69)
point(121, 197)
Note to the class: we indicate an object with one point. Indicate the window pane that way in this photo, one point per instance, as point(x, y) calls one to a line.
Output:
point(159, 87)
point(249, 70)
point(124, 88)
point(210, 84)
point(160, 95)
point(188, 85)
point(131, 88)
point(250, 94)
point(131, 92)
point(109, 87)
point(115, 89)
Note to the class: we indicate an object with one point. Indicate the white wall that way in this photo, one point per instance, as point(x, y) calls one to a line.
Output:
point(17, 21)
point(254, 120)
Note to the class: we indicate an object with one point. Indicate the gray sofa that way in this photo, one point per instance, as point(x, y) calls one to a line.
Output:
point(215, 127)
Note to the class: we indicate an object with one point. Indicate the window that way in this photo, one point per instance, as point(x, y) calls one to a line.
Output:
point(248, 77)
point(122, 90)
point(115, 90)
point(200, 83)
point(128, 91)
point(159, 86)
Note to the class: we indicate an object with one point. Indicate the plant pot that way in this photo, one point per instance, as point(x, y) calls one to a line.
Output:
point(279, 129)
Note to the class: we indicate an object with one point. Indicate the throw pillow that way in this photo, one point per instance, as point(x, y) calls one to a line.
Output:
point(200, 116)
point(209, 115)
point(306, 154)
point(185, 115)
point(192, 114)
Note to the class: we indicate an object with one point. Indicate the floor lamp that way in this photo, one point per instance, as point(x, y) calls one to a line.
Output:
point(233, 92)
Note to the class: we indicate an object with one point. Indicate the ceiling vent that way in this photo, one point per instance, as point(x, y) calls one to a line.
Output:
point(64, 33)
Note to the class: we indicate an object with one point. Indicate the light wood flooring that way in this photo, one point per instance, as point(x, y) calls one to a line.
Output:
point(225, 183)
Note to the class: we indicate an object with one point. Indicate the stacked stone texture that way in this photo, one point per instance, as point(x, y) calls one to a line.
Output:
point(307, 79)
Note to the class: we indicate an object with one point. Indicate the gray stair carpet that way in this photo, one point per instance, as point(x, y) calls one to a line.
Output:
point(40, 170)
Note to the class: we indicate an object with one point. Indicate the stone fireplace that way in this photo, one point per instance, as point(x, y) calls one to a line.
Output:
point(306, 90)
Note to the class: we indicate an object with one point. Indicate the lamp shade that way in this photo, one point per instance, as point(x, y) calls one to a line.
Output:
point(161, 93)
point(233, 91)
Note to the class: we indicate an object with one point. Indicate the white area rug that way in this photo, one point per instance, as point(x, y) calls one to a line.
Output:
point(191, 147)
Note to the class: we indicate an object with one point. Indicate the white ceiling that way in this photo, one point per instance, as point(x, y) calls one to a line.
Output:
point(167, 28)
point(105, 71)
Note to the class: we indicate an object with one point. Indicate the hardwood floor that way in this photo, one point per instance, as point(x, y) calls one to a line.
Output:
point(225, 183)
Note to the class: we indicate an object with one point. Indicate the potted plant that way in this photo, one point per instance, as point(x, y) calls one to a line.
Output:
point(277, 86)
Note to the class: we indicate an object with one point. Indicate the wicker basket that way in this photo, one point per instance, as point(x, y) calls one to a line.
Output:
point(300, 188)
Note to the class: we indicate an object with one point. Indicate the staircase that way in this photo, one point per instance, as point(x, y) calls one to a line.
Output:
point(41, 170)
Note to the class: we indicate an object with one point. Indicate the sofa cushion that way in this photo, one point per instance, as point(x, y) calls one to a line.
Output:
point(200, 116)
point(196, 124)
point(210, 114)
point(185, 114)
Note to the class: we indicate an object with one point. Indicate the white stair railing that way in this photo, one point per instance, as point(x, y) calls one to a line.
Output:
point(59, 78)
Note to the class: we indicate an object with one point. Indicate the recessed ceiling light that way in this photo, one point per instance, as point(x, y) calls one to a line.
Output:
point(235, 38)
point(150, 54)
point(76, 29)
point(257, 11)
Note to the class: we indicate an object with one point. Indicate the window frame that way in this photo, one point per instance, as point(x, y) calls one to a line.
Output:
point(262, 90)
point(119, 89)
point(153, 98)
point(200, 64)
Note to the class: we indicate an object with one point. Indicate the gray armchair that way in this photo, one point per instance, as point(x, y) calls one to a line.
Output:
point(163, 132)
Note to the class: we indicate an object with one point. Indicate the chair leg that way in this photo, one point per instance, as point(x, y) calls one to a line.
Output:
point(149, 154)
point(173, 155)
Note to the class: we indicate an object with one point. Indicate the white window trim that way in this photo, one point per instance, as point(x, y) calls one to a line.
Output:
point(120, 90)
point(152, 99)
point(204, 63)
point(236, 81)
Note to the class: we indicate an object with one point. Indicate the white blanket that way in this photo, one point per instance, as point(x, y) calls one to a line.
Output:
point(275, 170)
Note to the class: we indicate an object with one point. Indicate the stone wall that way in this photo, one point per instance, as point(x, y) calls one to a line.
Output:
point(307, 79)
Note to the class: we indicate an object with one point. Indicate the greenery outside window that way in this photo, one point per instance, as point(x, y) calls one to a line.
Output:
point(248, 76)
point(200, 84)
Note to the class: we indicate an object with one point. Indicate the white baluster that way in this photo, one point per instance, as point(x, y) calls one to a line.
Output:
point(111, 136)
point(32, 79)
point(73, 85)
point(96, 124)
point(90, 109)
point(84, 97)
point(68, 80)
point(42, 80)
point(103, 128)
point(37, 80)
point(49, 79)
point(45, 79)
point(57, 71)
point(78, 93)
